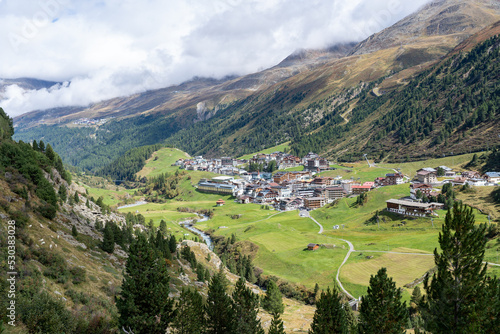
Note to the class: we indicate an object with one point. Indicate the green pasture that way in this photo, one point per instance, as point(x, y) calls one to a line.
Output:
point(278, 148)
point(161, 162)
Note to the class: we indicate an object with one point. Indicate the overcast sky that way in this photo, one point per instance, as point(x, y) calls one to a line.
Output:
point(109, 48)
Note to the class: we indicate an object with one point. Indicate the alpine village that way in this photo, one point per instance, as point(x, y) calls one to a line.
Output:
point(353, 189)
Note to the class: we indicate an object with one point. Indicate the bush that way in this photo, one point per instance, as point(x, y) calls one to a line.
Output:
point(79, 275)
point(45, 314)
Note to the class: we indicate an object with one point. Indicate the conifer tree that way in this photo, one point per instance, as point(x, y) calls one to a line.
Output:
point(456, 294)
point(143, 304)
point(108, 241)
point(246, 308)
point(172, 244)
point(76, 197)
point(189, 317)
point(276, 325)
point(351, 319)
point(329, 317)
point(273, 301)
point(163, 227)
point(41, 146)
point(63, 193)
point(49, 152)
point(381, 308)
point(74, 231)
point(219, 307)
point(35, 146)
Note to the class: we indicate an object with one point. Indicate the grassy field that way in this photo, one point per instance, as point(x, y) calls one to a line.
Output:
point(283, 237)
point(161, 162)
point(279, 148)
point(358, 171)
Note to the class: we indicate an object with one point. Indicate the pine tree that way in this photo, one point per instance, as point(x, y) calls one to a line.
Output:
point(108, 241)
point(329, 317)
point(381, 309)
point(189, 317)
point(41, 146)
point(219, 307)
point(35, 146)
point(455, 295)
point(63, 193)
point(49, 152)
point(246, 308)
point(76, 197)
point(351, 319)
point(273, 301)
point(74, 231)
point(276, 325)
point(172, 244)
point(143, 304)
point(163, 227)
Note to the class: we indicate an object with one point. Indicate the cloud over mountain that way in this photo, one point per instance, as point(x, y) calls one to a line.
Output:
point(103, 49)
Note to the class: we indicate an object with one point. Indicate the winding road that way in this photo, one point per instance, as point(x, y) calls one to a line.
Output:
point(305, 213)
point(351, 249)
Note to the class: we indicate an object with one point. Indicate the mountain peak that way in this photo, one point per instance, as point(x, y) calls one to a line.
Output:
point(457, 18)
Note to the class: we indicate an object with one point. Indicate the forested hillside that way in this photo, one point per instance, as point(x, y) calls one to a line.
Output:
point(450, 108)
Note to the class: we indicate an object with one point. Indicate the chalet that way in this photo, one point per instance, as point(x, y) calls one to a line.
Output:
point(334, 193)
point(290, 204)
point(323, 181)
point(312, 247)
point(348, 184)
point(458, 181)
point(428, 177)
point(244, 199)
point(356, 190)
point(220, 202)
point(471, 174)
point(492, 177)
point(314, 202)
point(425, 189)
point(393, 179)
point(281, 177)
point(289, 162)
point(409, 208)
point(379, 181)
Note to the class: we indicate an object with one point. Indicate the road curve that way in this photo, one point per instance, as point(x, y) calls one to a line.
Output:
point(305, 213)
point(351, 249)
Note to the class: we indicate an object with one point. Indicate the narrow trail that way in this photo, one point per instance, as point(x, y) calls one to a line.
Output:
point(351, 249)
point(306, 214)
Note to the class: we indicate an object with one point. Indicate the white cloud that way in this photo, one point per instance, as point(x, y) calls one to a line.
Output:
point(117, 47)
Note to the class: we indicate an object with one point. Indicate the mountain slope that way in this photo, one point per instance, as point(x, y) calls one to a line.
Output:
point(299, 96)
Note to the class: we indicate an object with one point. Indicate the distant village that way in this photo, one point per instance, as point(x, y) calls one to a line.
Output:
point(272, 184)
point(91, 121)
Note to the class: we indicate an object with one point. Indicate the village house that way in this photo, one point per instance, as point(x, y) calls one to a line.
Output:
point(425, 189)
point(220, 202)
point(312, 247)
point(357, 190)
point(323, 181)
point(409, 208)
point(290, 204)
point(392, 179)
point(492, 177)
point(459, 181)
point(426, 176)
point(334, 193)
point(281, 177)
point(314, 202)
point(476, 182)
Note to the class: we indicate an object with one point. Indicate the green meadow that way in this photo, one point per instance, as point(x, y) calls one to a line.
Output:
point(282, 237)
point(278, 148)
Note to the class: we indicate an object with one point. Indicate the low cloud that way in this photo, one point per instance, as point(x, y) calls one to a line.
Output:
point(114, 48)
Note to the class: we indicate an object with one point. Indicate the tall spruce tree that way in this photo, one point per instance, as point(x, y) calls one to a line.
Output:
point(143, 304)
point(219, 308)
point(246, 308)
point(381, 308)
point(456, 293)
point(273, 301)
point(108, 240)
point(329, 317)
point(190, 318)
point(276, 326)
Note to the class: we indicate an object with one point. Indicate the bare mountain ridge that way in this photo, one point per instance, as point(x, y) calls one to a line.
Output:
point(457, 18)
